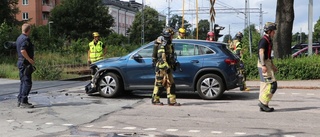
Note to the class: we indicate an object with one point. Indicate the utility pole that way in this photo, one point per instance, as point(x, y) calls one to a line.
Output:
point(310, 19)
point(168, 13)
point(261, 21)
point(142, 20)
point(182, 26)
point(249, 27)
point(197, 19)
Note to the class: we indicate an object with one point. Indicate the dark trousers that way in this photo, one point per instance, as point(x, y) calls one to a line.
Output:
point(25, 85)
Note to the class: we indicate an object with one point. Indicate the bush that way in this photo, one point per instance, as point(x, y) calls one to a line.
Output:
point(47, 71)
point(288, 69)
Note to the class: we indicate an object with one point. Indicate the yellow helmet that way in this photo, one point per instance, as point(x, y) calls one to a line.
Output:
point(95, 34)
point(182, 30)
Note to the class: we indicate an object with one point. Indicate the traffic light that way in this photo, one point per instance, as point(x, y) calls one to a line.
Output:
point(216, 30)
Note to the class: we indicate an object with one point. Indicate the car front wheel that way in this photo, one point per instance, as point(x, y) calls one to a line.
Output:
point(109, 85)
point(210, 86)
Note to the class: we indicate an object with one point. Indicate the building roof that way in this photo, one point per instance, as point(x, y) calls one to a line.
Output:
point(131, 5)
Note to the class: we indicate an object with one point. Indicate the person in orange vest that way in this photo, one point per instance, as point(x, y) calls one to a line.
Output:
point(97, 49)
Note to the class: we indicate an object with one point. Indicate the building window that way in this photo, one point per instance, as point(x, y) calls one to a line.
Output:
point(45, 16)
point(25, 16)
point(25, 2)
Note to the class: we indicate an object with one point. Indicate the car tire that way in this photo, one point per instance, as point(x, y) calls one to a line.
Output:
point(109, 85)
point(210, 87)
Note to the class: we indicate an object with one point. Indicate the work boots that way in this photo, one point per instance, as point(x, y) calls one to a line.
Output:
point(265, 108)
point(26, 105)
point(155, 100)
point(173, 102)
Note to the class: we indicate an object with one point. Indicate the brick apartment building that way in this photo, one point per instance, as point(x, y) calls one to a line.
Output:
point(38, 12)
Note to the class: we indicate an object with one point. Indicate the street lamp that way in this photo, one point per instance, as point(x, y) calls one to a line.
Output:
point(50, 28)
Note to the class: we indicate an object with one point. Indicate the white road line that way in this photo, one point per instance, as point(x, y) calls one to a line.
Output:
point(67, 124)
point(150, 129)
point(311, 94)
point(49, 123)
point(295, 93)
point(130, 128)
point(216, 132)
point(10, 120)
point(194, 131)
point(172, 130)
point(240, 133)
point(28, 122)
point(288, 136)
point(89, 126)
point(264, 134)
point(107, 127)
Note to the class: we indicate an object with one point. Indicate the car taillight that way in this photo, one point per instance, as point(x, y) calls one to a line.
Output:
point(230, 61)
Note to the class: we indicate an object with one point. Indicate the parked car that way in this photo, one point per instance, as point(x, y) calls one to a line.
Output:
point(304, 52)
point(207, 67)
point(300, 46)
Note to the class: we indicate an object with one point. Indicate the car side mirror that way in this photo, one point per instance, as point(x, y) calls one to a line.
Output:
point(137, 56)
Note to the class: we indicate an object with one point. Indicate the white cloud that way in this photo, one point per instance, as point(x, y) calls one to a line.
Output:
point(236, 21)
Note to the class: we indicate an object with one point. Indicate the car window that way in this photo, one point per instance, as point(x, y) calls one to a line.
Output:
point(146, 52)
point(205, 50)
point(183, 49)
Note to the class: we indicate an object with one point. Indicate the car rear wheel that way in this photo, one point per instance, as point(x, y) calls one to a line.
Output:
point(210, 86)
point(109, 85)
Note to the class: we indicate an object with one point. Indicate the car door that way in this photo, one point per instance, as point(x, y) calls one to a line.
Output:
point(190, 63)
point(139, 70)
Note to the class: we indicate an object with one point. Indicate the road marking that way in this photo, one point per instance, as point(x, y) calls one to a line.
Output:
point(264, 134)
point(281, 93)
point(310, 94)
point(10, 120)
point(172, 130)
point(194, 131)
point(107, 127)
point(240, 133)
point(67, 124)
point(295, 93)
point(89, 126)
point(49, 123)
point(28, 122)
point(150, 129)
point(130, 128)
point(216, 132)
point(288, 136)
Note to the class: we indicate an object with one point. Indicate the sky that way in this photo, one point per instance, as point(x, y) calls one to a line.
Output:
point(234, 20)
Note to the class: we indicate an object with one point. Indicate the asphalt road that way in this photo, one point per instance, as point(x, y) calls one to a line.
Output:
point(69, 112)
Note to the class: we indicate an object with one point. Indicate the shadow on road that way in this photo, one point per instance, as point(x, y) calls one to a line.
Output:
point(295, 109)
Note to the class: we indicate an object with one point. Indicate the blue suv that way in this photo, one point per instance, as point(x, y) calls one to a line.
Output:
point(208, 68)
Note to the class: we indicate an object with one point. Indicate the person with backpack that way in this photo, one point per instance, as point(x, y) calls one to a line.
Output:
point(268, 84)
point(164, 61)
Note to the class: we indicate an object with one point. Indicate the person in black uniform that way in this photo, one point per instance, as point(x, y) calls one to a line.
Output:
point(25, 50)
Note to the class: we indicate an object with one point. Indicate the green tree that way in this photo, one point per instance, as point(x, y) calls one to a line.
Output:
point(203, 28)
point(227, 38)
point(152, 26)
point(296, 38)
point(255, 37)
point(8, 10)
point(79, 18)
point(284, 20)
point(316, 33)
point(175, 22)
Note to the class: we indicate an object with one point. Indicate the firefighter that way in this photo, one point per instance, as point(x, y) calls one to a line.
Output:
point(97, 49)
point(210, 36)
point(163, 59)
point(182, 33)
point(268, 84)
point(236, 47)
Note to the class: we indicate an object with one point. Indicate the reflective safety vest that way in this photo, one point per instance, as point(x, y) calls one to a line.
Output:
point(179, 37)
point(96, 51)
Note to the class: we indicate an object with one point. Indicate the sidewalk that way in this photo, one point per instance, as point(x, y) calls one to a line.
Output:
point(298, 84)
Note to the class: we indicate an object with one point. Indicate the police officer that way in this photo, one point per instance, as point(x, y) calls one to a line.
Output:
point(25, 50)
point(268, 84)
point(236, 47)
point(164, 61)
point(182, 33)
point(97, 49)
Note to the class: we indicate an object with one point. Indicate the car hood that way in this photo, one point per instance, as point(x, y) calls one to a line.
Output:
point(98, 63)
